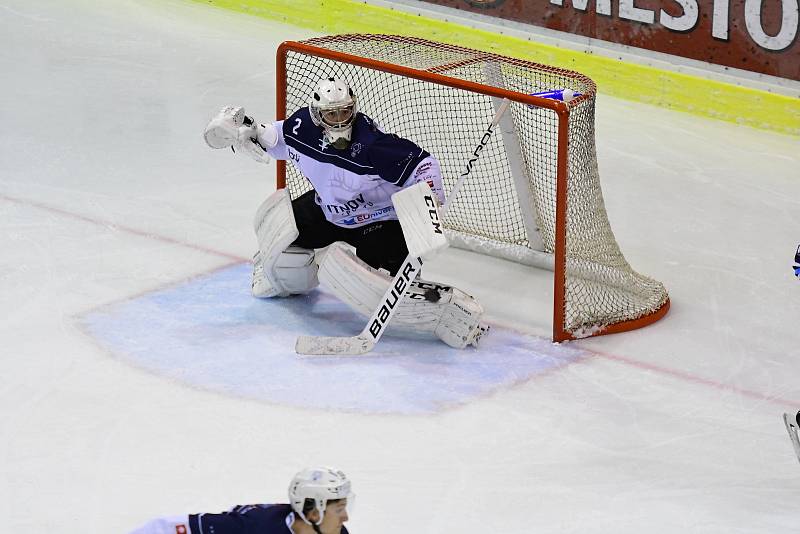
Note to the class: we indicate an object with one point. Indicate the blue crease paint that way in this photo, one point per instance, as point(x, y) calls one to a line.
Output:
point(210, 333)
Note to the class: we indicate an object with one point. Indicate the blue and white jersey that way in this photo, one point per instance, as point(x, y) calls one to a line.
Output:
point(354, 186)
point(250, 519)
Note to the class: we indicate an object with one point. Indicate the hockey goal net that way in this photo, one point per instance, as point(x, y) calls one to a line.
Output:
point(534, 194)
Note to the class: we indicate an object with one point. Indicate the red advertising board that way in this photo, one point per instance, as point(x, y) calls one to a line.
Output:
point(755, 35)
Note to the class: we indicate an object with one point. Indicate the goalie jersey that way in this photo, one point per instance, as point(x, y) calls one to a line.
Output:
point(250, 519)
point(354, 186)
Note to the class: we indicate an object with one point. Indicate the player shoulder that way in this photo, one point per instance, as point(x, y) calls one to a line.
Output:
point(300, 124)
point(394, 158)
point(280, 510)
point(365, 122)
point(393, 149)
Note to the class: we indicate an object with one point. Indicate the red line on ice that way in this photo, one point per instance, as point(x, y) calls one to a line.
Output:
point(681, 375)
point(122, 228)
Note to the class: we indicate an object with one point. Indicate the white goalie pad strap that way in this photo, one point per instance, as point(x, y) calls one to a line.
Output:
point(278, 270)
point(454, 317)
point(417, 208)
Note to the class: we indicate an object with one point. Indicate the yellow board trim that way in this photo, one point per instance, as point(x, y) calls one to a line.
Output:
point(681, 92)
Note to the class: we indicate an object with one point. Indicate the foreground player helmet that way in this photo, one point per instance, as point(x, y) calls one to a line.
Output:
point(321, 484)
point(333, 106)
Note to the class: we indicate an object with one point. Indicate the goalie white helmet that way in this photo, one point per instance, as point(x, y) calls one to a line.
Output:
point(333, 107)
point(320, 484)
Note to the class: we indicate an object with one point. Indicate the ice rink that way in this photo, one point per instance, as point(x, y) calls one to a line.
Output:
point(138, 377)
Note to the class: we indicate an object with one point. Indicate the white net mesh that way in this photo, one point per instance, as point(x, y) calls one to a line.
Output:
point(490, 213)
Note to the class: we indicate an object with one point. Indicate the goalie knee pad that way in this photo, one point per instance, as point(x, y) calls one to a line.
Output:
point(280, 270)
point(447, 312)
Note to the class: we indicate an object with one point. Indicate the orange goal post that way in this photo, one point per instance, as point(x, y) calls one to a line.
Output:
point(533, 196)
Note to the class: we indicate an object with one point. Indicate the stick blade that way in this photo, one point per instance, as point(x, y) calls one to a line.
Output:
point(333, 346)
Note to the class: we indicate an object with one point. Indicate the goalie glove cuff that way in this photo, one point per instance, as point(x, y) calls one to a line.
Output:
point(255, 140)
point(232, 128)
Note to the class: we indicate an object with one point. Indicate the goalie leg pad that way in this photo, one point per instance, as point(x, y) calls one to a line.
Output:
point(294, 273)
point(447, 312)
point(460, 324)
point(278, 269)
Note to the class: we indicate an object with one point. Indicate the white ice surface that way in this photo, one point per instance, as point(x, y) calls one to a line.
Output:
point(108, 194)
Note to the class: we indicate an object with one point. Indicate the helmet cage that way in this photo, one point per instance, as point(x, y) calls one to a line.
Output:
point(334, 108)
point(334, 118)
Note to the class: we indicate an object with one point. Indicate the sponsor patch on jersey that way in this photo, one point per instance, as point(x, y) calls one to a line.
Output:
point(351, 205)
point(364, 217)
point(422, 169)
point(181, 529)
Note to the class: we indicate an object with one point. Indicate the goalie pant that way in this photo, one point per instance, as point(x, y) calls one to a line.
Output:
point(260, 518)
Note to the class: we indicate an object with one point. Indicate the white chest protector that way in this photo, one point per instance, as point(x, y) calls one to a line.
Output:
point(354, 186)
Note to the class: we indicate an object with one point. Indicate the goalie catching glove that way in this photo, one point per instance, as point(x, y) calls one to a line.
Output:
point(232, 128)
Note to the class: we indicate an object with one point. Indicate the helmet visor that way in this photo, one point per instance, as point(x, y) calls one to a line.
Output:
point(337, 117)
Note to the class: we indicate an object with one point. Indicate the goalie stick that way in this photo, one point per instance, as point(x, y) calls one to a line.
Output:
point(791, 427)
point(379, 320)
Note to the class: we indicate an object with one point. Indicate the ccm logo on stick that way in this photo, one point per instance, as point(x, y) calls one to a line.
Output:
point(390, 302)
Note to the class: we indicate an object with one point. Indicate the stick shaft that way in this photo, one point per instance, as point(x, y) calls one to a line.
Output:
point(476, 154)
